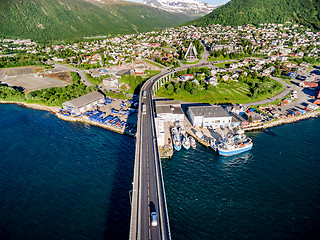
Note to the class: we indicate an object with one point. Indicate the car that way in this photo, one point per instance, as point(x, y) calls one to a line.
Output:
point(154, 221)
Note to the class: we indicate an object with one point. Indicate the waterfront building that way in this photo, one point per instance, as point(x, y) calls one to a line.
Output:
point(84, 103)
point(204, 116)
point(169, 111)
point(254, 117)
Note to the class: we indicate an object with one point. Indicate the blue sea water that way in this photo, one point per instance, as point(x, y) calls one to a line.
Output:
point(270, 192)
point(63, 180)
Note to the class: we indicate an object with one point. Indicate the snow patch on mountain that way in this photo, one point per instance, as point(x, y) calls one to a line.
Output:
point(193, 7)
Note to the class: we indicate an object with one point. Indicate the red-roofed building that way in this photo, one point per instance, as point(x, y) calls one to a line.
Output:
point(318, 95)
point(311, 85)
point(186, 77)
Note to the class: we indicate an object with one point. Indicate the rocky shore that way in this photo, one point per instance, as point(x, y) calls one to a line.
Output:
point(55, 111)
point(284, 121)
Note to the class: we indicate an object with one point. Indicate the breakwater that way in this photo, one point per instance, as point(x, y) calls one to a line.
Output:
point(286, 120)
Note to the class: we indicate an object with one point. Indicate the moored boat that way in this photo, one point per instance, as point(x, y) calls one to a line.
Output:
point(186, 142)
point(192, 142)
point(176, 139)
point(213, 144)
point(237, 144)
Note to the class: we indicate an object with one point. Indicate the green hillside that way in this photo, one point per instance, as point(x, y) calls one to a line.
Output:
point(68, 19)
point(239, 12)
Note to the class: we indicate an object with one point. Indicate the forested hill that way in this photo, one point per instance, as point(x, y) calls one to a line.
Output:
point(68, 19)
point(239, 12)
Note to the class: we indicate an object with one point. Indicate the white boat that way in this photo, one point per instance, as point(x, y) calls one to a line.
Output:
point(176, 139)
point(192, 142)
point(237, 144)
point(186, 142)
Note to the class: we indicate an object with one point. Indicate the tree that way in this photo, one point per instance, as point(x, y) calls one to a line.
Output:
point(170, 88)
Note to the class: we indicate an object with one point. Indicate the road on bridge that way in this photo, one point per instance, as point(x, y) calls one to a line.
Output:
point(150, 195)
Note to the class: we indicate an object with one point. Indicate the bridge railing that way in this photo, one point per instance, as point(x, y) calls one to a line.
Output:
point(162, 194)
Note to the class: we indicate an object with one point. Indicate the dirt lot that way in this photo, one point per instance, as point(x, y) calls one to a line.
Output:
point(62, 76)
point(25, 78)
point(19, 71)
point(31, 83)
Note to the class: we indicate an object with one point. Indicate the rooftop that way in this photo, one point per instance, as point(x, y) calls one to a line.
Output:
point(85, 99)
point(209, 111)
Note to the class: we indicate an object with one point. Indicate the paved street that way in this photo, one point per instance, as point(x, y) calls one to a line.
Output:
point(61, 67)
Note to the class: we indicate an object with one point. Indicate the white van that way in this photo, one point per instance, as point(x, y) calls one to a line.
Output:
point(154, 222)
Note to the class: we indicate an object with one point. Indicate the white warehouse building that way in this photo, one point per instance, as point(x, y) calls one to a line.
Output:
point(84, 103)
point(205, 116)
point(169, 111)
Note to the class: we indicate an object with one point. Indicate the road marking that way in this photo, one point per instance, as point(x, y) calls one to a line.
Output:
point(149, 233)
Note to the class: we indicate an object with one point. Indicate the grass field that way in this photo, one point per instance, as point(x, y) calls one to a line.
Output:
point(223, 65)
point(228, 92)
point(155, 64)
point(186, 62)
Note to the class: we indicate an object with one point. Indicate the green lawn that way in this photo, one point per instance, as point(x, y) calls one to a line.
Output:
point(155, 64)
point(226, 92)
point(223, 65)
point(186, 62)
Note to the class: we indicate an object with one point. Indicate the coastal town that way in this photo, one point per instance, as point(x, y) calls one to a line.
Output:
point(283, 56)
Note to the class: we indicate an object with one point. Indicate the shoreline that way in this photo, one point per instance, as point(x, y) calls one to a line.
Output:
point(55, 111)
point(281, 121)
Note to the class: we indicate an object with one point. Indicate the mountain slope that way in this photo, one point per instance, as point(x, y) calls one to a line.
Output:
point(68, 19)
point(239, 12)
point(193, 7)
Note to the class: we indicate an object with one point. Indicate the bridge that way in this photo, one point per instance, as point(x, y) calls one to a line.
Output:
point(148, 194)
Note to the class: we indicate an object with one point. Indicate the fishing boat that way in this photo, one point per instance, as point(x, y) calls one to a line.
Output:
point(186, 142)
point(235, 145)
point(192, 142)
point(176, 139)
point(213, 144)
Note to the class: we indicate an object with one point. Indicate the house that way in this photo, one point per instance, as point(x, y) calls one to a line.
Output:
point(283, 58)
point(311, 78)
point(310, 85)
point(213, 81)
point(235, 76)
point(269, 70)
point(110, 82)
point(234, 65)
point(254, 117)
point(225, 77)
point(215, 116)
point(84, 103)
point(272, 58)
point(238, 121)
point(186, 77)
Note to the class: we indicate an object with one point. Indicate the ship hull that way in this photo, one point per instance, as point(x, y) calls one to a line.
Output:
point(226, 152)
point(177, 147)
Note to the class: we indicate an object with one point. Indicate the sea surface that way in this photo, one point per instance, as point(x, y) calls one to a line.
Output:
point(63, 180)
